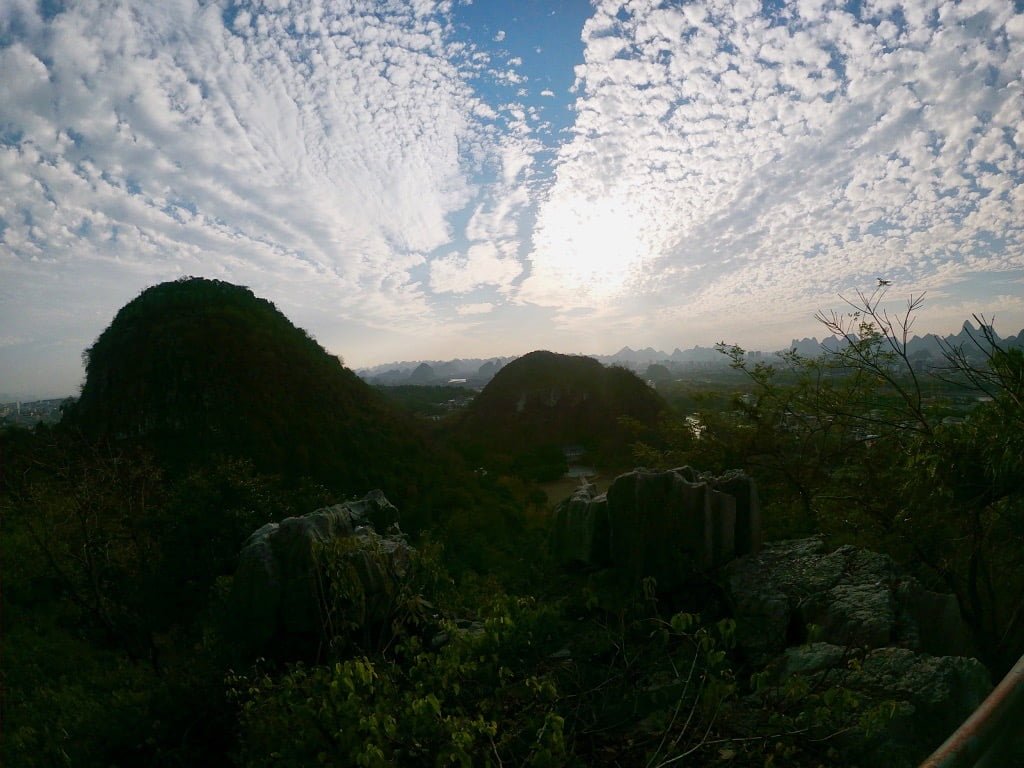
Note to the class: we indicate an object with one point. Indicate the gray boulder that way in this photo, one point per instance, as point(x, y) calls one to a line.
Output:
point(943, 690)
point(927, 696)
point(281, 601)
point(669, 525)
point(748, 510)
point(580, 528)
point(855, 597)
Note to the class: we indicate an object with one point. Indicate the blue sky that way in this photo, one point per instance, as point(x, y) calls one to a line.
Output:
point(429, 179)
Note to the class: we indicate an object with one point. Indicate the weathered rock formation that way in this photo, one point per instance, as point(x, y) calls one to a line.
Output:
point(669, 525)
point(855, 598)
point(874, 630)
point(929, 696)
point(279, 596)
point(580, 530)
point(877, 632)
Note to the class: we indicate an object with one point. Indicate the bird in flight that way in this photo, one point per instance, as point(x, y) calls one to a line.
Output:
point(882, 282)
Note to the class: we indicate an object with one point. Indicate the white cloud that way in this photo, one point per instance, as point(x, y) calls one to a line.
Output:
point(483, 264)
point(313, 152)
point(725, 169)
point(481, 308)
point(724, 164)
point(499, 36)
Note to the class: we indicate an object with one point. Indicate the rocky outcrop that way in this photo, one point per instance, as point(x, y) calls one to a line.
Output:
point(279, 599)
point(927, 697)
point(942, 689)
point(852, 596)
point(835, 616)
point(580, 530)
point(874, 631)
point(668, 525)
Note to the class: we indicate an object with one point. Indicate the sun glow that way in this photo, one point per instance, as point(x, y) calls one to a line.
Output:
point(589, 246)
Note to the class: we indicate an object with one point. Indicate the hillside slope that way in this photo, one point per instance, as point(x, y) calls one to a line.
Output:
point(545, 398)
point(198, 368)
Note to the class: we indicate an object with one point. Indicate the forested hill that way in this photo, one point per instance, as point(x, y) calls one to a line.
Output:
point(198, 368)
point(548, 398)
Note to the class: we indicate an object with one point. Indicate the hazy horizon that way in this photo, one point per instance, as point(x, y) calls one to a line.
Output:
point(439, 178)
point(8, 393)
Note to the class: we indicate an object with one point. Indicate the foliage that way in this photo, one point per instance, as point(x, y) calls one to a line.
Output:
point(195, 369)
point(524, 685)
point(370, 594)
point(471, 701)
point(80, 512)
point(856, 443)
point(93, 669)
point(75, 706)
point(953, 494)
point(439, 672)
point(426, 400)
point(645, 689)
point(118, 541)
point(108, 566)
point(541, 464)
point(817, 718)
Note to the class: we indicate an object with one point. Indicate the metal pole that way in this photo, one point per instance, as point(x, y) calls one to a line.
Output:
point(997, 721)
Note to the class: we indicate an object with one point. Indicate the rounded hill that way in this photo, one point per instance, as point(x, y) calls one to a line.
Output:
point(198, 368)
point(545, 398)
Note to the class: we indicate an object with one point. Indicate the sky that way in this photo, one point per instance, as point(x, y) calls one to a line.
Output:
point(431, 179)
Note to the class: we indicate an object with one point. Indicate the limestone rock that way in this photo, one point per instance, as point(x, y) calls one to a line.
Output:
point(944, 690)
point(669, 525)
point(855, 597)
point(933, 695)
point(278, 594)
point(810, 659)
point(742, 494)
point(663, 525)
point(580, 530)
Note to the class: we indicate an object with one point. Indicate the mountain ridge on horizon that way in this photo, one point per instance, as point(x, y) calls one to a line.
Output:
point(928, 344)
point(396, 372)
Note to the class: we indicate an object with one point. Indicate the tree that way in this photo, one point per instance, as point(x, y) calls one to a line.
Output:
point(657, 372)
point(85, 509)
point(956, 491)
point(856, 442)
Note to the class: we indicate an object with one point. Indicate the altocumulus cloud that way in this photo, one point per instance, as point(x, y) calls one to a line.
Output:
point(729, 165)
point(480, 308)
point(314, 151)
point(739, 163)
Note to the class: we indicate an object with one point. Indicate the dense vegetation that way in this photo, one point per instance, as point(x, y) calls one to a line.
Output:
point(428, 401)
point(207, 414)
point(196, 369)
point(860, 444)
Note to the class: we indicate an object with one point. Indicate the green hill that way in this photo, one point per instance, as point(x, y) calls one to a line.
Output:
point(199, 368)
point(545, 399)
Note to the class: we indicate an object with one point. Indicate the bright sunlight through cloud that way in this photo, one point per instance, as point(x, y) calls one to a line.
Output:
point(586, 247)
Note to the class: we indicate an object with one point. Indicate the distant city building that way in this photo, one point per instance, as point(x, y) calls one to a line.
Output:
point(29, 414)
